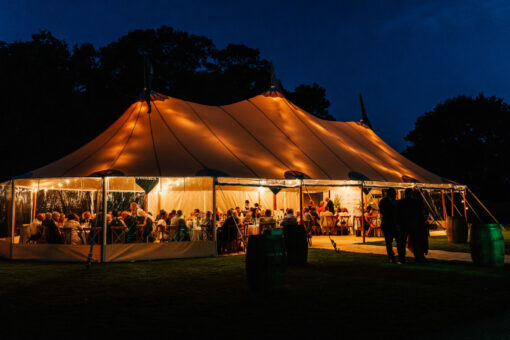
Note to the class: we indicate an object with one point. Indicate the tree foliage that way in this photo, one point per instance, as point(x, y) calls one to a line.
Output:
point(311, 99)
point(55, 98)
point(466, 139)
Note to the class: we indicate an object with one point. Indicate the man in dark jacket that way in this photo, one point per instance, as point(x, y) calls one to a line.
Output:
point(409, 217)
point(388, 210)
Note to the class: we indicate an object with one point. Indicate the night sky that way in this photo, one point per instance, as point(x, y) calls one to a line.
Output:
point(404, 56)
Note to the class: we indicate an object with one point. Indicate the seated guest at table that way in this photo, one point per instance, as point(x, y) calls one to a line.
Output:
point(133, 208)
point(182, 233)
point(61, 220)
point(145, 219)
point(36, 228)
point(171, 215)
point(246, 206)
point(161, 226)
point(208, 223)
point(174, 220)
point(56, 218)
point(307, 217)
point(239, 212)
point(227, 239)
point(131, 224)
point(73, 224)
point(267, 218)
point(115, 222)
point(290, 218)
point(86, 218)
point(315, 221)
point(51, 232)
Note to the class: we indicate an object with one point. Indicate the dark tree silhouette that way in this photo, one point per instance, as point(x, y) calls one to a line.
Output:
point(311, 99)
point(55, 98)
point(466, 139)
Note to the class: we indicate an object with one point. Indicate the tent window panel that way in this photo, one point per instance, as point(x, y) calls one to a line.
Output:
point(66, 201)
point(121, 200)
point(5, 209)
point(186, 201)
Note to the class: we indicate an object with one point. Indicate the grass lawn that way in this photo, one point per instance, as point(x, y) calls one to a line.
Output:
point(441, 243)
point(334, 295)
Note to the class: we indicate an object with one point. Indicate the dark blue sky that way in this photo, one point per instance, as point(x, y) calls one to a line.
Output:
point(404, 56)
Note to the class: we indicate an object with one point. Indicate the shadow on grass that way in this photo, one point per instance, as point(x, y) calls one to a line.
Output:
point(210, 297)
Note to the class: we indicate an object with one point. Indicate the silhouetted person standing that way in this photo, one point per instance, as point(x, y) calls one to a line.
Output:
point(409, 216)
point(388, 210)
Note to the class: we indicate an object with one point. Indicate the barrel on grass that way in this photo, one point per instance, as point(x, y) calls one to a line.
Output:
point(456, 229)
point(487, 245)
point(296, 244)
point(266, 262)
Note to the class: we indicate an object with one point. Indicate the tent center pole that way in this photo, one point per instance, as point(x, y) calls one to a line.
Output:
point(301, 200)
point(362, 213)
point(105, 223)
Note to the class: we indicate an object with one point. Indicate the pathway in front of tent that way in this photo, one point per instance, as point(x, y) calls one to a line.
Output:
point(354, 244)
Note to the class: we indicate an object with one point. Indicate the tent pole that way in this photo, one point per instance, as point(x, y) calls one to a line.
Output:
point(465, 208)
point(215, 180)
point(13, 217)
point(301, 200)
point(105, 225)
point(34, 204)
point(453, 204)
point(444, 208)
point(362, 213)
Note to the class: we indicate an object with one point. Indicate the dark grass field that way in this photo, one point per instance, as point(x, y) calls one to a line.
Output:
point(340, 295)
point(441, 243)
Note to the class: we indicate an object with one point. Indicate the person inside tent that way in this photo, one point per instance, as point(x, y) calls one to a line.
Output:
point(86, 218)
point(131, 224)
point(315, 221)
point(330, 206)
point(228, 234)
point(161, 225)
point(51, 232)
point(182, 233)
point(36, 228)
point(368, 220)
point(247, 207)
point(208, 225)
point(116, 222)
point(55, 216)
point(74, 226)
point(145, 219)
point(133, 208)
point(290, 218)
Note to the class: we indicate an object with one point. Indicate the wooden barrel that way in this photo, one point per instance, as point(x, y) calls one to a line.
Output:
point(487, 245)
point(456, 229)
point(296, 244)
point(266, 262)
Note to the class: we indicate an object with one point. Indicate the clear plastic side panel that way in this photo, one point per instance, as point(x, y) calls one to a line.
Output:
point(5, 210)
point(122, 191)
point(57, 210)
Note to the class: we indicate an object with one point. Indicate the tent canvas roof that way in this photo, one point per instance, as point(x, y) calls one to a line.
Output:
point(261, 137)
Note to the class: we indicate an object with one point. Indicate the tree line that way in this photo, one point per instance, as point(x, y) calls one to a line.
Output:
point(56, 98)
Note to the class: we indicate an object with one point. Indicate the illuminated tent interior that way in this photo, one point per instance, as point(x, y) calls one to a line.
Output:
point(264, 149)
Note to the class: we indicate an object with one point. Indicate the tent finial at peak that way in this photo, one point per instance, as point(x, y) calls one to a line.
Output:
point(364, 117)
point(275, 87)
